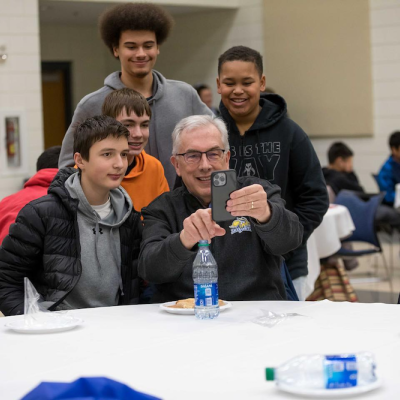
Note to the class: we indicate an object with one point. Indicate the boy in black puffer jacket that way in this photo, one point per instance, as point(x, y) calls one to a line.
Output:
point(79, 244)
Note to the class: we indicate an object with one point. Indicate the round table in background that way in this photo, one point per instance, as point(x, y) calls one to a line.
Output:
point(325, 240)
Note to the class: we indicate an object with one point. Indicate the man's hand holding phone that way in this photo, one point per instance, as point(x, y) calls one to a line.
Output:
point(199, 226)
point(250, 201)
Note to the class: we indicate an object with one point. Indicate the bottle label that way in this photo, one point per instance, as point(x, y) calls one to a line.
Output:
point(206, 294)
point(340, 371)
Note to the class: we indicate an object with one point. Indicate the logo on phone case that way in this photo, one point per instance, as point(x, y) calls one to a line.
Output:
point(239, 225)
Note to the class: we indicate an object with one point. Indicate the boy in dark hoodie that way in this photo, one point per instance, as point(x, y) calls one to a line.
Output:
point(339, 174)
point(266, 144)
point(79, 244)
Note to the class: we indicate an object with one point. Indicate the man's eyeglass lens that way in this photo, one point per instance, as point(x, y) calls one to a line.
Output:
point(194, 157)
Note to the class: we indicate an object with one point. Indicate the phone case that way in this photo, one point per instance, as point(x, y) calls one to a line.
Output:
point(223, 183)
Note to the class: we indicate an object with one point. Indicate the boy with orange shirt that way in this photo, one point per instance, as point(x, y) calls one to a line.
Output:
point(144, 179)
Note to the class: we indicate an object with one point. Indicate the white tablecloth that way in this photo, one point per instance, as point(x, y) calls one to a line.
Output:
point(178, 357)
point(325, 240)
point(396, 204)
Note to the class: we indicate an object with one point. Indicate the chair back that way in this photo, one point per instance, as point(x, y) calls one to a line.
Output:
point(375, 176)
point(331, 194)
point(363, 215)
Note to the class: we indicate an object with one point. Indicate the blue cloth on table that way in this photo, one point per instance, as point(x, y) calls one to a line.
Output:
point(86, 389)
point(287, 280)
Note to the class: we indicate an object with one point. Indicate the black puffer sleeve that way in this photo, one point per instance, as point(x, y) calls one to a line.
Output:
point(20, 256)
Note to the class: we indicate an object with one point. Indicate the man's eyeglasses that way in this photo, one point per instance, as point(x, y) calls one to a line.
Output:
point(194, 157)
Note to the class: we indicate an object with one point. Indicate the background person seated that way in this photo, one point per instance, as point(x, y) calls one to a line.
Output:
point(249, 260)
point(339, 175)
point(389, 174)
point(35, 187)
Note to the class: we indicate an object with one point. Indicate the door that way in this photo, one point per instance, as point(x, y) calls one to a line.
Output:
point(56, 97)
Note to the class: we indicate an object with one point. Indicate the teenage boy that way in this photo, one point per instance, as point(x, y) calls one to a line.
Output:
point(339, 174)
point(35, 187)
point(133, 33)
point(79, 244)
point(389, 175)
point(266, 144)
point(144, 179)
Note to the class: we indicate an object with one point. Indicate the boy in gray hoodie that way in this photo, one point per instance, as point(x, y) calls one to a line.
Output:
point(133, 33)
point(79, 244)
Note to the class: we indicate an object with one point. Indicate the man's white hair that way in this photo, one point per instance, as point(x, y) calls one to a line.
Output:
point(196, 121)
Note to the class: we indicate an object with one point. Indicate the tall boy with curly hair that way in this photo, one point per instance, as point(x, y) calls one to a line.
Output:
point(133, 33)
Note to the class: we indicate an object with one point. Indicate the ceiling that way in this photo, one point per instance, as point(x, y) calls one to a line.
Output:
point(87, 12)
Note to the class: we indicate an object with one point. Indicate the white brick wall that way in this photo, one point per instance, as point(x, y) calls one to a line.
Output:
point(191, 53)
point(370, 153)
point(83, 47)
point(20, 83)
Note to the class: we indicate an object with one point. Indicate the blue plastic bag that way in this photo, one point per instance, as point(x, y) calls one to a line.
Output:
point(86, 389)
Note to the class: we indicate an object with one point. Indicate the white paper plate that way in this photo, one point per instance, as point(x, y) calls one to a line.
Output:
point(321, 393)
point(20, 327)
point(188, 311)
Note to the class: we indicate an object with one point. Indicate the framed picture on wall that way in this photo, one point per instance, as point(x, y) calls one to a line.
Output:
point(13, 142)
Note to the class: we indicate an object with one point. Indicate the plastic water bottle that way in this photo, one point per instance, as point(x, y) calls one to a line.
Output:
point(205, 278)
point(318, 371)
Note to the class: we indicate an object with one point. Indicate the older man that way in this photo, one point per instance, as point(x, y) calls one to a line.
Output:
point(248, 260)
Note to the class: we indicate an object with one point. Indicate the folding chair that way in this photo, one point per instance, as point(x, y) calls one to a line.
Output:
point(363, 215)
point(387, 228)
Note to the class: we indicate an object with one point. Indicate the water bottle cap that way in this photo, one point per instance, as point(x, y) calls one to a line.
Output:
point(203, 243)
point(270, 374)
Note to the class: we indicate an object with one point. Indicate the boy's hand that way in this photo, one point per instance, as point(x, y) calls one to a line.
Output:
point(199, 226)
point(250, 201)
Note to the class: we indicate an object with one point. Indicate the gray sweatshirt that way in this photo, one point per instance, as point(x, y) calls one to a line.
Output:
point(100, 281)
point(171, 102)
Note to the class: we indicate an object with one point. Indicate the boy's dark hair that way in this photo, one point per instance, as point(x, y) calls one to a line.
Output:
point(339, 149)
point(200, 86)
point(94, 130)
point(394, 140)
point(49, 158)
point(127, 99)
point(134, 17)
point(241, 53)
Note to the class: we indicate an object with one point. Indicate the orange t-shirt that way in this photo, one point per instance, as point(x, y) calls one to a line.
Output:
point(145, 181)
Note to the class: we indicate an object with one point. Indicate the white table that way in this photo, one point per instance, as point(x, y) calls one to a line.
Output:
point(325, 240)
point(178, 357)
point(396, 204)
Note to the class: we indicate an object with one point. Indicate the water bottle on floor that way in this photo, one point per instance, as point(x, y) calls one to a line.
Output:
point(205, 277)
point(318, 371)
